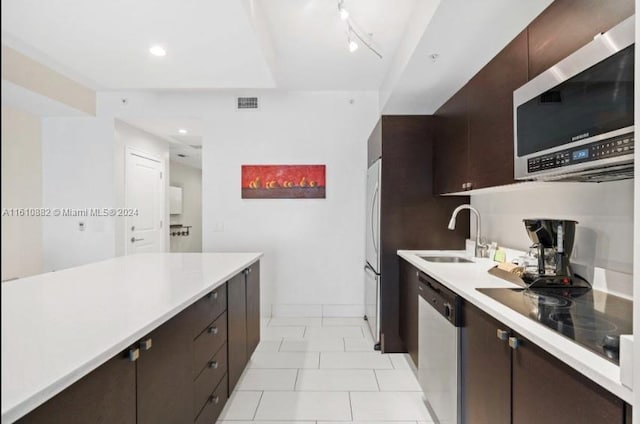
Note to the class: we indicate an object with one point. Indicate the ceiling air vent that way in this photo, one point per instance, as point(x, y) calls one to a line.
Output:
point(247, 103)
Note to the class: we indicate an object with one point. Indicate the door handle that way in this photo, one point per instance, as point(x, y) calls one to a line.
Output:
point(146, 344)
point(514, 342)
point(373, 224)
point(133, 354)
point(133, 239)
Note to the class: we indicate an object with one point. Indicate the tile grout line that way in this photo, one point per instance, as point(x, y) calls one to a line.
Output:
point(280, 345)
point(350, 406)
point(304, 332)
point(344, 343)
point(257, 406)
point(295, 383)
point(375, 374)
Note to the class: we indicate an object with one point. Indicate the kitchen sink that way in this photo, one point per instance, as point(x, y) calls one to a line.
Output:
point(446, 259)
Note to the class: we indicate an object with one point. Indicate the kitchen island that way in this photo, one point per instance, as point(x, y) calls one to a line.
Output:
point(60, 326)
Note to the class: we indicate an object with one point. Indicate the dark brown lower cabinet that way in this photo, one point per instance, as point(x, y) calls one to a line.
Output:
point(106, 395)
point(524, 384)
point(165, 373)
point(409, 308)
point(545, 390)
point(485, 369)
point(253, 308)
point(237, 327)
point(183, 369)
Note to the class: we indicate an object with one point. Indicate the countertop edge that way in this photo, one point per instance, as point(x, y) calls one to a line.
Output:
point(597, 369)
point(20, 409)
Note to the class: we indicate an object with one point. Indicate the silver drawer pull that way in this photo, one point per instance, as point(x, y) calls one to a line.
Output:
point(214, 399)
point(133, 354)
point(502, 334)
point(213, 295)
point(213, 330)
point(514, 342)
point(213, 364)
point(146, 344)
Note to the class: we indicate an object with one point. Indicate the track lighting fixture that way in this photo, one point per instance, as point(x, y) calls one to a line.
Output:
point(353, 32)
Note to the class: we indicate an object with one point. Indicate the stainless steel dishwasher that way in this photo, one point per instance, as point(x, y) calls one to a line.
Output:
point(439, 349)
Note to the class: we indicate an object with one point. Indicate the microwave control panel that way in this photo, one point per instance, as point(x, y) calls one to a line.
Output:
point(617, 146)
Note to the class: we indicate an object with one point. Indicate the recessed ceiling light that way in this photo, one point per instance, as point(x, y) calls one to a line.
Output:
point(182, 131)
point(158, 50)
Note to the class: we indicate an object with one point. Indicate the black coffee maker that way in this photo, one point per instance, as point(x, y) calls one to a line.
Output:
point(553, 239)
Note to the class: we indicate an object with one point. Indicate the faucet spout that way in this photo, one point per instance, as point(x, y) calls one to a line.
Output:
point(480, 247)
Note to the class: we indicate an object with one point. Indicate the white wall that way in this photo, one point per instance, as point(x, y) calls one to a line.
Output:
point(314, 249)
point(77, 172)
point(190, 180)
point(604, 234)
point(133, 137)
point(21, 188)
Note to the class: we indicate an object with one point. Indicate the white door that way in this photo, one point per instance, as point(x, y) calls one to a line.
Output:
point(144, 194)
point(373, 216)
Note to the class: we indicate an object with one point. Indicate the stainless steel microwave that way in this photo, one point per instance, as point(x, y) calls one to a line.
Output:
point(575, 122)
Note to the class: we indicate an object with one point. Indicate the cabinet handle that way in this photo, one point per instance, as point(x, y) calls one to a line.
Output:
point(146, 344)
point(469, 186)
point(502, 334)
point(213, 364)
point(213, 295)
point(133, 354)
point(514, 342)
point(214, 399)
point(464, 186)
point(213, 330)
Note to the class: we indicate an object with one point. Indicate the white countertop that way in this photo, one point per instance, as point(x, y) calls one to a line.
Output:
point(59, 326)
point(465, 278)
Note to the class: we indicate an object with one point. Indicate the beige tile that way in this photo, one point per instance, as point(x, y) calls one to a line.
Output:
point(241, 406)
point(295, 322)
point(358, 345)
point(336, 380)
point(288, 406)
point(388, 406)
point(328, 332)
point(269, 345)
point(277, 333)
point(354, 360)
point(343, 322)
point(403, 380)
point(313, 345)
point(291, 360)
point(255, 379)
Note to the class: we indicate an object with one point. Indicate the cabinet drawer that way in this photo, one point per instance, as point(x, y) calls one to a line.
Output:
point(209, 378)
point(208, 343)
point(208, 308)
point(214, 404)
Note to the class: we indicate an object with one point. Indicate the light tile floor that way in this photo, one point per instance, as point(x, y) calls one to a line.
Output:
point(321, 371)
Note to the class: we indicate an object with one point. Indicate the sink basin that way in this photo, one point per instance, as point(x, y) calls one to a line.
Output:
point(446, 259)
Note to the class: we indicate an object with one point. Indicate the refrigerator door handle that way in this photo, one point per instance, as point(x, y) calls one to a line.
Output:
point(373, 222)
point(368, 267)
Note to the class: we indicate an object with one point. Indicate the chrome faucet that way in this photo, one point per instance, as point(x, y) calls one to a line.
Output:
point(481, 248)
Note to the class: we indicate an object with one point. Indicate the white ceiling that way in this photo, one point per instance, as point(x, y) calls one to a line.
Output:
point(466, 35)
point(257, 44)
point(209, 43)
point(167, 128)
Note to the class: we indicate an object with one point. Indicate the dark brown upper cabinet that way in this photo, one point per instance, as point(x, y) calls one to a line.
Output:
point(451, 144)
point(474, 128)
point(567, 25)
point(490, 109)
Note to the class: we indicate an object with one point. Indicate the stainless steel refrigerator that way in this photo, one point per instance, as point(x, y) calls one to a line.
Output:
point(372, 261)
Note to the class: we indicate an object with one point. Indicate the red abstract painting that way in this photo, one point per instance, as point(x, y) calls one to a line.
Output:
point(283, 182)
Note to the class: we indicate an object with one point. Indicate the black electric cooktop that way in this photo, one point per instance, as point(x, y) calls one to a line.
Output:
point(591, 318)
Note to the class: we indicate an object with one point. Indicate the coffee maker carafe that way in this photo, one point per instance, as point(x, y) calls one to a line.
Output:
point(553, 239)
